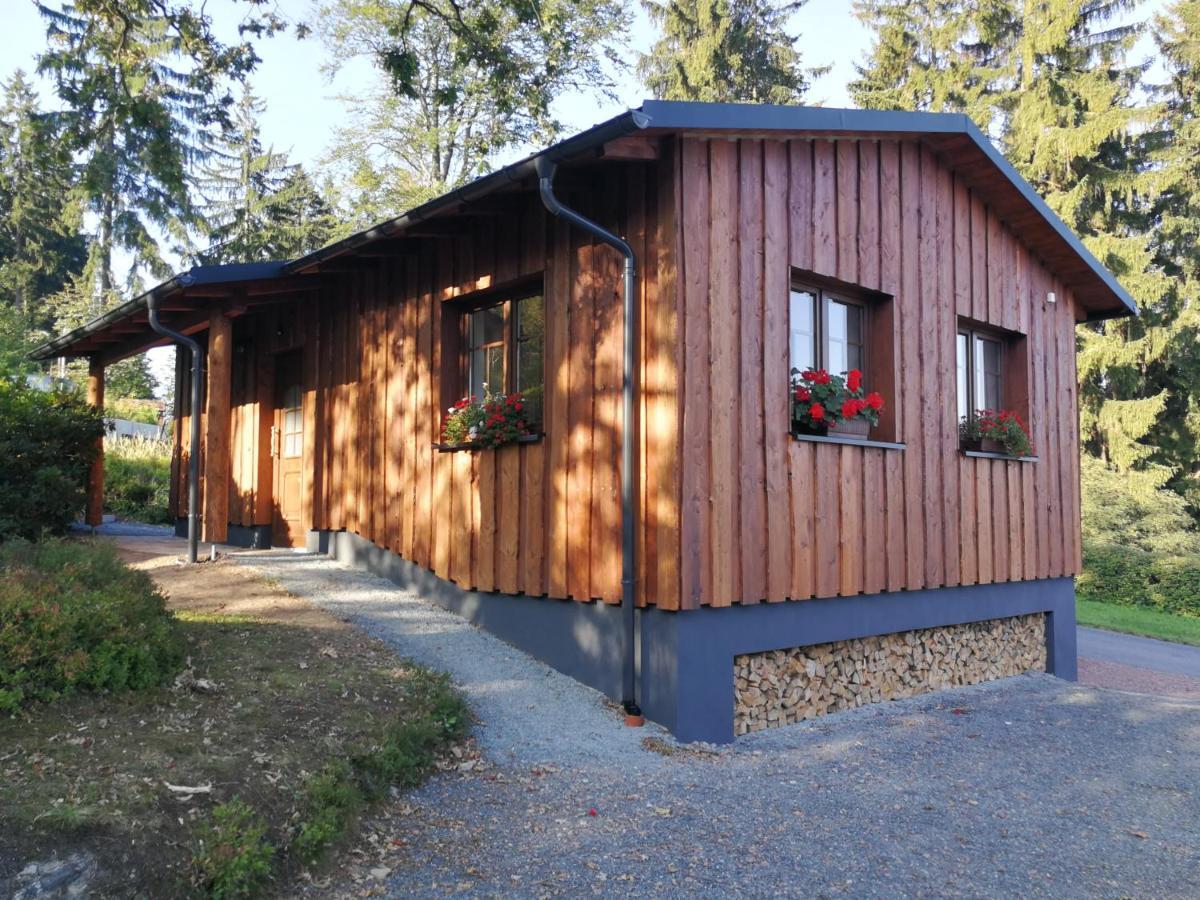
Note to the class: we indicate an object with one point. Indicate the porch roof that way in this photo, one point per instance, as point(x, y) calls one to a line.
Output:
point(125, 329)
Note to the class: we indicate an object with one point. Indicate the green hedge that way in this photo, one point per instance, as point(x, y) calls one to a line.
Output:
point(1114, 573)
point(74, 617)
point(137, 479)
point(47, 444)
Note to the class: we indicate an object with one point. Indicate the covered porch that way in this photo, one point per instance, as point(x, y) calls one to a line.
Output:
point(230, 312)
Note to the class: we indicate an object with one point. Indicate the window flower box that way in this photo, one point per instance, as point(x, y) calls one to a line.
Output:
point(495, 421)
point(995, 431)
point(824, 404)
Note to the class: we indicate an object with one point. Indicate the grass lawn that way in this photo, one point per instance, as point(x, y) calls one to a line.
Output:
point(1138, 620)
point(285, 726)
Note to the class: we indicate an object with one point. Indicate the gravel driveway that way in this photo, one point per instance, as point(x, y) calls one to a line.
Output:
point(1029, 787)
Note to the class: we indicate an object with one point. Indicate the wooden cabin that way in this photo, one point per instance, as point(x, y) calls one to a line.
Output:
point(779, 574)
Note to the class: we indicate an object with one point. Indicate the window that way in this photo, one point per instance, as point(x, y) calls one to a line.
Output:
point(979, 368)
point(827, 331)
point(504, 350)
point(293, 423)
point(486, 350)
point(839, 327)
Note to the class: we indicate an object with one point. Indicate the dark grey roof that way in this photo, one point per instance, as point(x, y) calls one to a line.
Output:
point(670, 116)
point(197, 275)
point(660, 116)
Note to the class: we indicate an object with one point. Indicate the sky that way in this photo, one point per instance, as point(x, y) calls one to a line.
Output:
point(302, 102)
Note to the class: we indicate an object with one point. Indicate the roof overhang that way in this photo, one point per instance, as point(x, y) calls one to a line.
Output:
point(956, 140)
point(189, 298)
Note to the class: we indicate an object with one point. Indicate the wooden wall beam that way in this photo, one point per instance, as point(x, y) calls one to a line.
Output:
point(216, 437)
point(95, 487)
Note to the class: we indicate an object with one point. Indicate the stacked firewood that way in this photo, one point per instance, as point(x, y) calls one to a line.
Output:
point(783, 686)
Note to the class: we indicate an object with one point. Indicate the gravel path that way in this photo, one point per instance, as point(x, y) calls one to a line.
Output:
point(1027, 787)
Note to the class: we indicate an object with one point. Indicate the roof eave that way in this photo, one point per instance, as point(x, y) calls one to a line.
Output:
point(196, 276)
point(628, 122)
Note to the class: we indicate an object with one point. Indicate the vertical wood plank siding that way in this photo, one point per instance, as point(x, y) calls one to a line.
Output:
point(539, 518)
point(845, 520)
point(732, 509)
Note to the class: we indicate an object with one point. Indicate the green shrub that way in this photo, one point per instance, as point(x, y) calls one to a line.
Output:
point(73, 616)
point(1175, 585)
point(47, 444)
point(404, 755)
point(331, 801)
point(1132, 509)
point(233, 856)
point(137, 479)
point(1131, 577)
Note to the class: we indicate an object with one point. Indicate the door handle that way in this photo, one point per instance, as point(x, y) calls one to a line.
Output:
point(275, 441)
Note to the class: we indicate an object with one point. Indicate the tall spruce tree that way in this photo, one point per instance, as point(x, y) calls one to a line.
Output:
point(724, 51)
point(40, 247)
point(140, 82)
point(935, 55)
point(1052, 82)
point(1075, 127)
point(1176, 165)
point(256, 205)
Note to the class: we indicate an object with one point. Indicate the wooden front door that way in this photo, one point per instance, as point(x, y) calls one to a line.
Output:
point(287, 449)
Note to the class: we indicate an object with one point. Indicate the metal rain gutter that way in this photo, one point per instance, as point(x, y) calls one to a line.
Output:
point(152, 301)
point(629, 692)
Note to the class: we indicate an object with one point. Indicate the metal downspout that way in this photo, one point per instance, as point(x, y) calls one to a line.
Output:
point(545, 170)
point(193, 421)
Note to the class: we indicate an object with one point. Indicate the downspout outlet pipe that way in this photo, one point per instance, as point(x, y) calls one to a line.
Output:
point(545, 171)
point(193, 420)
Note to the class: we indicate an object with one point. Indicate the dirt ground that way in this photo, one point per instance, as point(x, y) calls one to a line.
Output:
point(273, 690)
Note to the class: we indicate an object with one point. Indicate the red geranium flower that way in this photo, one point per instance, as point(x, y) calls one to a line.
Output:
point(817, 412)
point(803, 394)
point(854, 380)
point(875, 401)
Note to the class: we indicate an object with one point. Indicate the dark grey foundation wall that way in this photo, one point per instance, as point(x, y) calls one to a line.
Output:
point(252, 537)
point(686, 659)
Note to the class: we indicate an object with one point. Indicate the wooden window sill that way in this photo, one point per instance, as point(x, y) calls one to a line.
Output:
point(848, 439)
point(477, 448)
point(984, 454)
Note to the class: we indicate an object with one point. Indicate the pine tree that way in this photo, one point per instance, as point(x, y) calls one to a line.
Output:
point(1073, 126)
point(301, 219)
point(1176, 167)
point(39, 243)
point(257, 205)
point(935, 55)
point(724, 51)
point(140, 82)
point(1050, 79)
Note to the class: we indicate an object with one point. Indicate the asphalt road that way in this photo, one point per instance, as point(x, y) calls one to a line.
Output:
point(1140, 652)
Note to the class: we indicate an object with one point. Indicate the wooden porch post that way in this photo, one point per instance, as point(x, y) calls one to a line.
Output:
point(95, 487)
point(216, 439)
